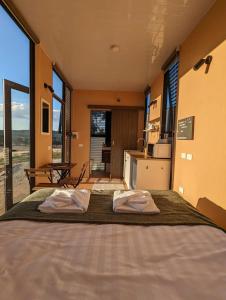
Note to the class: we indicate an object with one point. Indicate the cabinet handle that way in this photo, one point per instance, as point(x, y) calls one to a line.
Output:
point(147, 167)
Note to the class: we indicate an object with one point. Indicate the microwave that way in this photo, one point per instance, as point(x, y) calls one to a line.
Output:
point(161, 151)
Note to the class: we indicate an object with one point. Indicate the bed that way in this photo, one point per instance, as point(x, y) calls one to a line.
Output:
point(57, 258)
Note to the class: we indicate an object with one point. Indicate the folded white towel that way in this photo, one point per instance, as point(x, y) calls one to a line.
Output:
point(134, 201)
point(66, 201)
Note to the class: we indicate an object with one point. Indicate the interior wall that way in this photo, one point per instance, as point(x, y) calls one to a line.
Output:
point(203, 96)
point(43, 73)
point(81, 118)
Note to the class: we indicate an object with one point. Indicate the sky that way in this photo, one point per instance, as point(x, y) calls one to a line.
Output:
point(14, 66)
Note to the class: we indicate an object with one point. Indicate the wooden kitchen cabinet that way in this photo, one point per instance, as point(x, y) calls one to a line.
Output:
point(150, 173)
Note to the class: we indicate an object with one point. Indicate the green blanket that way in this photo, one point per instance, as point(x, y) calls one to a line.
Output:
point(174, 210)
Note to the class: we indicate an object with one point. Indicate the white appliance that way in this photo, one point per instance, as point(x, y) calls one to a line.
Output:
point(162, 151)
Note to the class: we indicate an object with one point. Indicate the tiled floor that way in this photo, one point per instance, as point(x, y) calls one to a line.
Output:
point(103, 184)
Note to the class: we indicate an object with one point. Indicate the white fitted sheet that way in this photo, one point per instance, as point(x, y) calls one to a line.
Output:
point(85, 261)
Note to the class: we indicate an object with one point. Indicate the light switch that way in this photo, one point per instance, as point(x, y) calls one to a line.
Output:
point(183, 155)
point(181, 189)
point(80, 145)
point(189, 156)
point(49, 148)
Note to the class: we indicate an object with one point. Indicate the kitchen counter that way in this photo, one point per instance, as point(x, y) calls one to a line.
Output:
point(146, 173)
point(140, 155)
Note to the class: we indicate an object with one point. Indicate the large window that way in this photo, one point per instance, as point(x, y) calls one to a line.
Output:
point(61, 144)
point(16, 109)
point(147, 112)
point(67, 124)
point(58, 119)
point(170, 99)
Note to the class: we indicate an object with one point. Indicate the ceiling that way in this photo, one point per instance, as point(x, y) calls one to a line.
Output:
point(77, 35)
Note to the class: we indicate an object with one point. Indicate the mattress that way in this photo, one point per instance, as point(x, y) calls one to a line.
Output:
point(49, 261)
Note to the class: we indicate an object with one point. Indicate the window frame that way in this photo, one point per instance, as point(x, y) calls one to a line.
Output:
point(32, 68)
point(62, 102)
point(175, 57)
point(173, 109)
point(65, 86)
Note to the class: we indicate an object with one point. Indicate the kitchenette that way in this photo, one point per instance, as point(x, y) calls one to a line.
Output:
point(149, 170)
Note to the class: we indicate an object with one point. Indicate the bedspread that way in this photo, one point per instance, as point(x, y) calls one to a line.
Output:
point(50, 261)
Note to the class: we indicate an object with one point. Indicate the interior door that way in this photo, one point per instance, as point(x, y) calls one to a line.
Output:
point(16, 141)
point(124, 127)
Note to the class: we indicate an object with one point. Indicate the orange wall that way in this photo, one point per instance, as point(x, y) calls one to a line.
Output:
point(81, 117)
point(43, 73)
point(204, 96)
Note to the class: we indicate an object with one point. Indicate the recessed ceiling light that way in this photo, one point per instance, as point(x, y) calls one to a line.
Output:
point(114, 48)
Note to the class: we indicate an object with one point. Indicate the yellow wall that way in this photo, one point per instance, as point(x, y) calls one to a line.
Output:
point(81, 117)
point(204, 96)
point(43, 73)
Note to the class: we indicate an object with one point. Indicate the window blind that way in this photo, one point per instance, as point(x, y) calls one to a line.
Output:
point(170, 98)
point(172, 84)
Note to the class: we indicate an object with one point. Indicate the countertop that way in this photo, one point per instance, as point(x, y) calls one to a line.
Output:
point(139, 155)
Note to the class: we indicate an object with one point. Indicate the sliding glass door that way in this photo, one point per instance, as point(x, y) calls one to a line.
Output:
point(16, 110)
point(16, 141)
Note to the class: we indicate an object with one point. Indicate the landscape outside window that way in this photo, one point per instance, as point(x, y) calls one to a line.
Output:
point(57, 131)
point(15, 66)
point(57, 144)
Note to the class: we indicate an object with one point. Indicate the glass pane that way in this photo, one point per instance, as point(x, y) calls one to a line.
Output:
point(67, 123)
point(57, 85)
point(20, 144)
point(14, 66)
point(98, 123)
point(57, 131)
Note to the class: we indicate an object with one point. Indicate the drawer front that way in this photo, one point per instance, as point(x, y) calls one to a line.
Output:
point(153, 175)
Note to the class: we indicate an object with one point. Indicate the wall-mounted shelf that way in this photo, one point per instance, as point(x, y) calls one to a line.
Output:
point(153, 102)
point(154, 120)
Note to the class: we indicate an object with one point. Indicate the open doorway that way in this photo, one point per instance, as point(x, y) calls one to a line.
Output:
point(100, 144)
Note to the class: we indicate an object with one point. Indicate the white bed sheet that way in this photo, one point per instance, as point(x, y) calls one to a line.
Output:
point(50, 261)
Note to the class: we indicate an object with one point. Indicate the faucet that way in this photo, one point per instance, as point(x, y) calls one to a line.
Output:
point(145, 149)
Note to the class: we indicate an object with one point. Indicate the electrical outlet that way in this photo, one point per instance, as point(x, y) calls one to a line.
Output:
point(183, 155)
point(181, 189)
point(189, 156)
